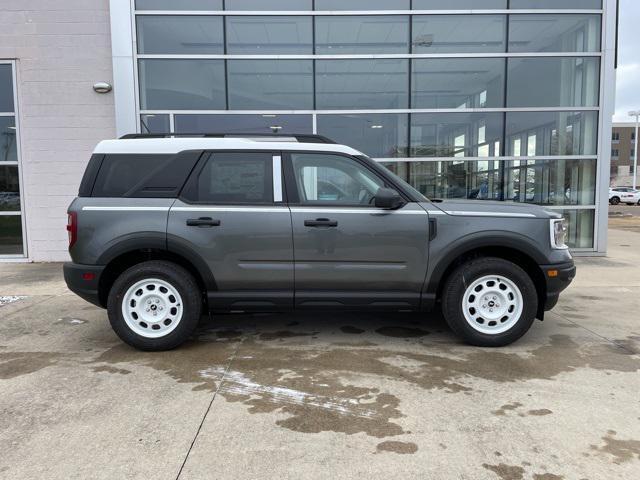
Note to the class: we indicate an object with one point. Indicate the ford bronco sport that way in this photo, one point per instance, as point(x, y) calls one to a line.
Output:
point(168, 227)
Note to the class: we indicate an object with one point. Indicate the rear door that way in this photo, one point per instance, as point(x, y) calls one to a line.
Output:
point(348, 253)
point(232, 216)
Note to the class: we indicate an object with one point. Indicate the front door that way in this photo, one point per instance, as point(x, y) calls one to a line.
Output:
point(348, 253)
point(231, 215)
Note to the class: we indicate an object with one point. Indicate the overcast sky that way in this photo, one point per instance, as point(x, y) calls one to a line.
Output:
point(628, 76)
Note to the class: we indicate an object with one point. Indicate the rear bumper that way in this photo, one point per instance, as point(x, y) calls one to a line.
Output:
point(83, 280)
point(556, 283)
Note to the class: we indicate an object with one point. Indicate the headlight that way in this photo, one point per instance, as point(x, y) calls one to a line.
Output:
point(558, 228)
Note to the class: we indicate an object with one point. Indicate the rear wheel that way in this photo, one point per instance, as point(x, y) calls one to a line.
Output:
point(489, 302)
point(614, 201)
point(154, 305)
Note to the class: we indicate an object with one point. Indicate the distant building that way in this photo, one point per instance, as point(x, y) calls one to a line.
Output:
point(623, 143)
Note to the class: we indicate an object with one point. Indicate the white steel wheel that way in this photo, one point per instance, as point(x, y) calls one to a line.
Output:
point(492, 304)
point(152, 308)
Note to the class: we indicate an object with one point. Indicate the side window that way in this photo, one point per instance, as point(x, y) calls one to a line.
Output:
point(325, 179)
point(119, 174)
point(234, 178)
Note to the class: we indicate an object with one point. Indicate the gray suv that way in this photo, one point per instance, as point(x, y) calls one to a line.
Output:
point(166, 228)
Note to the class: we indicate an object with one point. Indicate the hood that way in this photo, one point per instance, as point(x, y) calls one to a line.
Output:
point(493, 209)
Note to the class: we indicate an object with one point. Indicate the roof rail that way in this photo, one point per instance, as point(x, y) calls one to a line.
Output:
point(301, 138)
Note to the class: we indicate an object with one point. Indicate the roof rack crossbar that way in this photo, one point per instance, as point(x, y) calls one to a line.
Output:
point(301, 138)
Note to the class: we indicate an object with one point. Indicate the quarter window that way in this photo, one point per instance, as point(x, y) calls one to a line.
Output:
point(333, 180)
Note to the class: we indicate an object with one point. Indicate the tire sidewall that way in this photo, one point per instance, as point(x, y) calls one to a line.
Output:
point(173, 274)
point(464, 276)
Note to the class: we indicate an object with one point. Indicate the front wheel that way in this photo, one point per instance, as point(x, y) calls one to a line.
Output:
point(614, 201)
point(154, 305)
point(489, 302)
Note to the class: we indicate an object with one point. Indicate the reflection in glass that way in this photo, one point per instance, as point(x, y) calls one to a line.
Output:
point(8, 150)
point(458, 33)
point(376, 135)
point(11, 235)
point(274, 5)
point(183, 34)
point(154, 123)
point(590, 4)
point(360, 84)
point(181, 84)
point(362, 4)
point(457, 83)
point(553, 82)
point(9, 188)
point(579, 227)
point(458, 4)
point(554, 33)
point(243, 123)
point(6, 88)
point(265, 35)
point(456, 134)
point(362, 34)
point(181, 5)
point(551, 133)
point(270, 84)
point(541, 182)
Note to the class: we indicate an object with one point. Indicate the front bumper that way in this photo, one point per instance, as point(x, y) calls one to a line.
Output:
point(84, 281)
point(558, 277)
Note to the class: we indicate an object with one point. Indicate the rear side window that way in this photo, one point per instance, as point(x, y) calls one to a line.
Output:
point(119, 174)
point(233, 178)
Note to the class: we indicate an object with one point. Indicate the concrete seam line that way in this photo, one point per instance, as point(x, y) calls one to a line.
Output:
point(619, 345)
point(204, 417)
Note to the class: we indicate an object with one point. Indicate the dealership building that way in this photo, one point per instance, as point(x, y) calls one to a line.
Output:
point(507, 100)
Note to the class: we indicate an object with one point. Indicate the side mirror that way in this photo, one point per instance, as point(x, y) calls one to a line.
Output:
point(388, 198)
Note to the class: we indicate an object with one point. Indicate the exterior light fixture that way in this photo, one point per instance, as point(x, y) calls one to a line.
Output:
point(376, 126)
point(102, 87)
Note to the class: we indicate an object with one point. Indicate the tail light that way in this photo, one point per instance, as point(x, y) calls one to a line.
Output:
point(72, 228)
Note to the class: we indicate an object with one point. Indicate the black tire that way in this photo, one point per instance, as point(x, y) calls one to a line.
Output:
point(614, 200)
point(178, 278)
point(463, 276)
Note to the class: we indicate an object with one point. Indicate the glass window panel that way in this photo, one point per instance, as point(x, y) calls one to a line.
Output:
point(244, 123)
point(553, 82)
point(579, 227)
point(179, 5)
point(236, 178)
point(11, 235)
point(554, 33)
point(457, 83)
point(324, 179)
point(557, 133)
point(182, 84)
point(590, 4)
point(182, 34)
point(377, 135)
point(456, 134)
point(458, 33)
point(269, 35)
point(154, 124)
point(270, 84)
point(6, 88)
point(363, 4)
point(274, 5)
point(9, 188)
point(362, 34)
point(458, 4)
point(360, 84)
point(8, 151)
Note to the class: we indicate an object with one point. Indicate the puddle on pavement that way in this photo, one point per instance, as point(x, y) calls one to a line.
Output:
point(506, 472)
point(16, 364)
point(621, 450)
point(402, 448)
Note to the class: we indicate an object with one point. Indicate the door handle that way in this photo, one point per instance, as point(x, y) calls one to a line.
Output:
point(321, 222)
point(203, 222)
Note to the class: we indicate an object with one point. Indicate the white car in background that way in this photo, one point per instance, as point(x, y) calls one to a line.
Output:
point(624, 195)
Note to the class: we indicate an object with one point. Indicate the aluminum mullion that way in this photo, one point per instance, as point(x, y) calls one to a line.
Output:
point(365, 112)
point(365, 12)
point(366, 56)
point(481, 159)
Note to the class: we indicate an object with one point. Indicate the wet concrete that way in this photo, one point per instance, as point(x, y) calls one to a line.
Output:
point(317, 396)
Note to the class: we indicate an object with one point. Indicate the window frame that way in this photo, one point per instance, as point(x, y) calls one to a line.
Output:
point(291, 185)
point(190, 185)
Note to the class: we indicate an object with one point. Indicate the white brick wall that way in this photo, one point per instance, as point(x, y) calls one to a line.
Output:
point(61, 48)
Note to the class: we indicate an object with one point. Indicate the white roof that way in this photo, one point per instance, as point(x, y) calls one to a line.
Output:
point(175, 145)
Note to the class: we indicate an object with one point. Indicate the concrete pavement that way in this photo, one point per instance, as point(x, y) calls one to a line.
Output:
point(324, 396)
